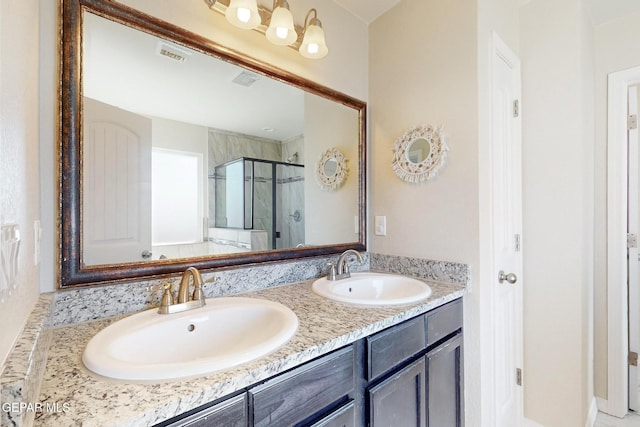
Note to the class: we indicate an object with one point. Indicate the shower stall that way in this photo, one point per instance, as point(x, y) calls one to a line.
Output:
point(255, 194)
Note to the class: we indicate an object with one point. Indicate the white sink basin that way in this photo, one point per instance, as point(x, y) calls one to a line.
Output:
point(224, 333)
point(373, 289)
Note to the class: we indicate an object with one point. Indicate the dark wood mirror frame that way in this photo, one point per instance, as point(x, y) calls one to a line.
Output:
point(71, 271)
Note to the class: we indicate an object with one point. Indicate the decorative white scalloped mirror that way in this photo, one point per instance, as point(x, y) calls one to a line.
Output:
point(420, 153)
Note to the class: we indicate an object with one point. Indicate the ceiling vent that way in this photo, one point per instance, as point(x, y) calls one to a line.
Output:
point(246, 79)
point(172, 52)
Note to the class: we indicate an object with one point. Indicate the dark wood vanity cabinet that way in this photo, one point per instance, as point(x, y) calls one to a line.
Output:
point(407, 375)
point(415, 371)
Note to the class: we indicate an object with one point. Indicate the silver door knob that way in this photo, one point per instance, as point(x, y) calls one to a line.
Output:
point(510, 278)
point(146, 254)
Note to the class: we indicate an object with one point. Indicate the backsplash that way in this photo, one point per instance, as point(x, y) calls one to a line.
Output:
point(426, 269)
point(83, 304)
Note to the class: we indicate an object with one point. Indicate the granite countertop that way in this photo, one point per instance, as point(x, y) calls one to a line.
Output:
point(77, 397)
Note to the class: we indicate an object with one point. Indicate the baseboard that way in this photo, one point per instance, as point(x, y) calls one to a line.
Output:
point(593, 413)
point(531, 423)
point(603, 404)
point(591, 416)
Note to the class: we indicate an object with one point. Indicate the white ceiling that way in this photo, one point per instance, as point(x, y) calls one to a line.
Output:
point(608, 10)
point(367, 10)
point(601, 10)
point(122, 68)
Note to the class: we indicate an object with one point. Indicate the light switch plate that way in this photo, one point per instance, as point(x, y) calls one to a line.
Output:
point(37, 236)
point(381, 225)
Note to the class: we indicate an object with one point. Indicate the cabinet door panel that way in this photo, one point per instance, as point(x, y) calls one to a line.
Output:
point(399, 400)
point(343, 417)
point(444, 384)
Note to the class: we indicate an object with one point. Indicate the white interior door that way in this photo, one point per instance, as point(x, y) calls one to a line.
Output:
point(116, 185)
point(506, 208)
point(632, 232)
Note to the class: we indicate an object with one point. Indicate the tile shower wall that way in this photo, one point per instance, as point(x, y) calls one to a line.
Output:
point(290, 216)
point(225, 146)
point(291, 195)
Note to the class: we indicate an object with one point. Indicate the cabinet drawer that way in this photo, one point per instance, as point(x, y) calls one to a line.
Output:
point(388, 348)
point(305, 391)
point(342, 417)
point(443, 321)
point(231, 412)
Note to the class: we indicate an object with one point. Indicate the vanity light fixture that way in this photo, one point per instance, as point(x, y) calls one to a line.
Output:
point(277, 25)
point(313, 44)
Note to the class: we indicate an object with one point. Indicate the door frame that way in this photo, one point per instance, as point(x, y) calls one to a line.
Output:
point(617, 402)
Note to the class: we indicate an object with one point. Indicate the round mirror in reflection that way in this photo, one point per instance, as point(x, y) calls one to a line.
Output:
point(330, 167)
point(418, 150)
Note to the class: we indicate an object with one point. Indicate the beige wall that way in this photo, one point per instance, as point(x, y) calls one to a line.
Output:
point(19, 187)
point(330, 214)
point(616, 46)
point(423, 70)
point(557, 109)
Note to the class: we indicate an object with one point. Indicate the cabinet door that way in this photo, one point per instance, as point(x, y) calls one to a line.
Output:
point(399, 400)
point(342, 417)
point(229, 413)
point(444, 384)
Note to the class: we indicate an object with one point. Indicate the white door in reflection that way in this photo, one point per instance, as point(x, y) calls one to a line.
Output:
point(116, 186)
point(176, 197)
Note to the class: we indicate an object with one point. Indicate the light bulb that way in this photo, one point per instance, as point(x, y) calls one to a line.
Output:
point(282, 32)
point(243, 14)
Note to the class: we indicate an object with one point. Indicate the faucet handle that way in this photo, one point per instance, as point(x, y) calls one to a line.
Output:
point(198, 292)
point(167, 297)
point(331, 274)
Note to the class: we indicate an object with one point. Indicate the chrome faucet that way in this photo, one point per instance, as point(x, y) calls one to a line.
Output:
point(185, 301)
point(340, 270)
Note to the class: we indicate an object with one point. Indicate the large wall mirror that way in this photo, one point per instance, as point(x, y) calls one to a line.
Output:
point(177, 152)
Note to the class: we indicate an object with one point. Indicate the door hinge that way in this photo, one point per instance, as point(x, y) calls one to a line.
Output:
point(517, 240)
point(519, 376)
point(633, 358)
point(632, 240)
point(516, 108)
point(632, 122)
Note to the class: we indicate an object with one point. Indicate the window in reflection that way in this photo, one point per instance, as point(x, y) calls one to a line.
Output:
point(176, 197)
